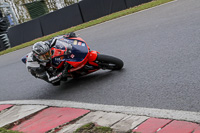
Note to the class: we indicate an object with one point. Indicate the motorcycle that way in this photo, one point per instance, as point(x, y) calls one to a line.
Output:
point(80, 59)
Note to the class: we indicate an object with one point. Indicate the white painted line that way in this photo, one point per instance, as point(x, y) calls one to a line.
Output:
point(150, 112)
point(129, 14)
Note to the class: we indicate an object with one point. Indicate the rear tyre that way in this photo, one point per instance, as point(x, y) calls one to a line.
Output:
point(109, 62)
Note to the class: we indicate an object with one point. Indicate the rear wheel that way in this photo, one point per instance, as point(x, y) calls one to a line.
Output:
point(109, 62)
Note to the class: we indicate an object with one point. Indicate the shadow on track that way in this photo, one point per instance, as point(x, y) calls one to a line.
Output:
point(76, 86)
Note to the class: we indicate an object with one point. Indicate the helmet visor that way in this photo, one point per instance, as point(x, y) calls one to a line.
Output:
point(45, 57)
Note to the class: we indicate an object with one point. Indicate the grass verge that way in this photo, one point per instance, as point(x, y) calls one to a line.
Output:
point(2, 130)
point(92, 128)
point(90, 23)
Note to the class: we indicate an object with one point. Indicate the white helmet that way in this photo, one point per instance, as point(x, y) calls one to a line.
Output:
point(41, 51)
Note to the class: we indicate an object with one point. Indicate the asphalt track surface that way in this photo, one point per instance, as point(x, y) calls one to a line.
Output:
point(160, 48)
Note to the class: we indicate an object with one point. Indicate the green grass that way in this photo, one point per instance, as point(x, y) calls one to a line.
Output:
point(85, 127)
point(2, 130)
point(90, 23)
point(92, 128)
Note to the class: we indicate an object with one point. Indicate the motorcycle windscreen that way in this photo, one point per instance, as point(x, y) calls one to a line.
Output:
point(79, 52)
point(75, 50)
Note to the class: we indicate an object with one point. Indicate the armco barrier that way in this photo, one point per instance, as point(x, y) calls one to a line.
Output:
point(25, 32)
point(118, 5)
point(67, 17)
point(93, 9)
point(61, 19)
point(132, 3)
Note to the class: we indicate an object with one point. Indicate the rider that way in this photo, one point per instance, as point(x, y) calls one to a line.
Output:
point(39, 62)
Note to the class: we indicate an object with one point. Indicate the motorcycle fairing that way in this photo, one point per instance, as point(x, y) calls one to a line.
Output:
point(73, 51)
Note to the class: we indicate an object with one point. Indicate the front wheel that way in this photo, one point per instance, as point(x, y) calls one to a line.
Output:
point(109, 62)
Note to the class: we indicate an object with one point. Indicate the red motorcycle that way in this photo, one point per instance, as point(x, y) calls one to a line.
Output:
point(80, 59)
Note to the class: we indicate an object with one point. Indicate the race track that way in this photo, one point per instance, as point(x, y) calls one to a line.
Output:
point(160, 48)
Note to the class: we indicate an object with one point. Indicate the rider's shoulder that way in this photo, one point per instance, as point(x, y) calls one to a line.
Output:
point(31, 57)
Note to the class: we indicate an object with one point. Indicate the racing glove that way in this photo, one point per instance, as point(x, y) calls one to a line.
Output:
point(70, 35)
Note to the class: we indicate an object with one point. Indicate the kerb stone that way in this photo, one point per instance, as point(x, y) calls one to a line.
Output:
point(91, 117)
point(128, 123)
point(110, 119)
point(98, 117)
point(18, 112)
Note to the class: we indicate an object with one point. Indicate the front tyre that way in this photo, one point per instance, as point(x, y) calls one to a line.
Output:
point(109, 62)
